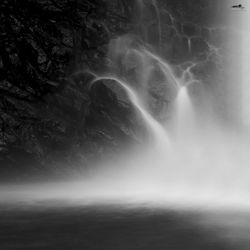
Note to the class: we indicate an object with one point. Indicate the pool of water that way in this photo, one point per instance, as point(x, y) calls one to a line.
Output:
point(56, 225)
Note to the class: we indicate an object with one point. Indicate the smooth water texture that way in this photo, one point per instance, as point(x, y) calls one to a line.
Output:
point(192, 160)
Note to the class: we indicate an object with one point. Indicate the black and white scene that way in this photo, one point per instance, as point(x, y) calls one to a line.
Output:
point(124, 125)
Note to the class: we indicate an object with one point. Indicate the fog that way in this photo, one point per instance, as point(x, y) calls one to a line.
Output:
point(194, 157)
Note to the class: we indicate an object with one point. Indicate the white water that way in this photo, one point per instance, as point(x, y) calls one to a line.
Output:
point(201, 166)
point(157, 131)
point(245, 53)
point(185, 117)
point(206, 165)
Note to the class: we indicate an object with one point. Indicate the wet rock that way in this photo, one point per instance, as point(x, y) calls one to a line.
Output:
point(189, 29)
point(180, 49)
point(199, 46)
point(205, 34)
point(166, 18)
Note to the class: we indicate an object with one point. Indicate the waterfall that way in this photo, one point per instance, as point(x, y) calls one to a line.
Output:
point(245, 68)
point(185, 117)
point(200, 165)
point(194, 165)
point(160, 135)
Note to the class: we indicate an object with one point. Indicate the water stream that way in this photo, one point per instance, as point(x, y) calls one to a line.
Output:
point(185, 186)
point(186, 163)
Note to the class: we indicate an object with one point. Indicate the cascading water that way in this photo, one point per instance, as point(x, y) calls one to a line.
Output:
point(187, 184)
point(188, 165)
point(245, 67)
point(184, 112)
point(159, 134)
point(201, 164)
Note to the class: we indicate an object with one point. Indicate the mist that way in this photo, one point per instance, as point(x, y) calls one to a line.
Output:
point(192, 156)
point(185, 80)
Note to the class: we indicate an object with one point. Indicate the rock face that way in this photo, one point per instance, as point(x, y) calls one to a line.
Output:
point(47, 112)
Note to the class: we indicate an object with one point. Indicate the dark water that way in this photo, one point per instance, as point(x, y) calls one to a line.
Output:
point(113, 228)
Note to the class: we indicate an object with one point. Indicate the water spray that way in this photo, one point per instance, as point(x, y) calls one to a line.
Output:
point(160, 135)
